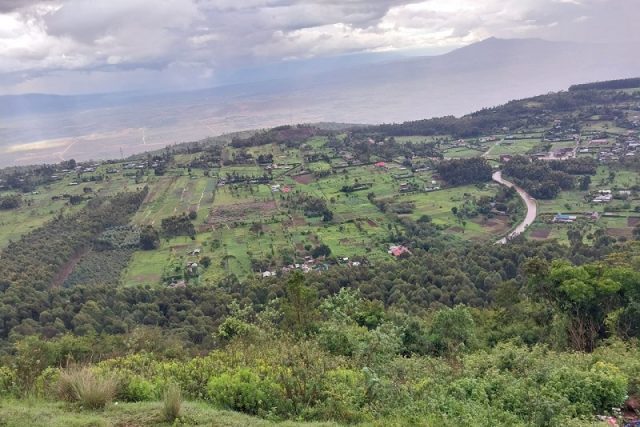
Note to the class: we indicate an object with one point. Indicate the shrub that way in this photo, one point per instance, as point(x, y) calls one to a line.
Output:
point(83, 386)
point(244, 391)
point(8, 381)
point(344, 396)
point(172, 402)
point(139, 389)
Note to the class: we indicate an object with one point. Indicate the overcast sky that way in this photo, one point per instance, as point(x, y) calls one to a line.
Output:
point(88, 46)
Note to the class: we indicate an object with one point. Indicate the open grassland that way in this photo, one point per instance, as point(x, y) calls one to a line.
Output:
point(35, 413)
point(462, 153)
point(513, 147)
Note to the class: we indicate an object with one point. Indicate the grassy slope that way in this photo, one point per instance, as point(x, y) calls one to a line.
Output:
point(49, 414)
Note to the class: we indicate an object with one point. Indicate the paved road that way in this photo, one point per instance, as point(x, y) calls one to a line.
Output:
point(530, 202)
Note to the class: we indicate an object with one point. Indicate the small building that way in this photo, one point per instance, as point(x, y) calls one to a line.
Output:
point(268, 273)
point(604, 198)
point(398, 250)
point(562, 218)
point(380, 165)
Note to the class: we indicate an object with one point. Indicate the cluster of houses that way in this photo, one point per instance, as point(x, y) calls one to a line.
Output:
point(276, 188)
point(309, 264)
point(433, 187)
point(603, 196)
point(608, 151)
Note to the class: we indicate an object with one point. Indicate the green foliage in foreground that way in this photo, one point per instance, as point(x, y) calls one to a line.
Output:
point(278, 379)
point(350, 362)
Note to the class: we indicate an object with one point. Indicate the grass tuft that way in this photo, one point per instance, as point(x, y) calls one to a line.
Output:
point(83, 386)
point(172, 402)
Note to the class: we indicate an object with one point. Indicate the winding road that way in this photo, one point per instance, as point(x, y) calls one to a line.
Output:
point(530, 202)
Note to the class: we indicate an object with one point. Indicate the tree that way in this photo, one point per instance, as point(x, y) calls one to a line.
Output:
point(149, 238)
point(321, 250)
point(585, 181)
point(452, 331)
point(12, 201)
point(586, 295)
point(300, 303)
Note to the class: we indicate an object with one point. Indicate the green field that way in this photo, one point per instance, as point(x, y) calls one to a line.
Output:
point(249, 216)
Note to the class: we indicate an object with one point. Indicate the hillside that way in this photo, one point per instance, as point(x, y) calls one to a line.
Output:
point(349, 275)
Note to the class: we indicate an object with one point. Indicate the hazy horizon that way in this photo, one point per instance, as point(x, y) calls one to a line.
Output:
point(138, 75)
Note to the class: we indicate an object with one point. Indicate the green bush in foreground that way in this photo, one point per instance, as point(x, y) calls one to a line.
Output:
point(244, 390)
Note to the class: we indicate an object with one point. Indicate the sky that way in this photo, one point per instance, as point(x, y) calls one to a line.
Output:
point(90, 46)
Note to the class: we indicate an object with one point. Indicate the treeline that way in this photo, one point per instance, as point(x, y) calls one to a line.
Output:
point(387, 148)
point(535, 111)
point(609, 84)
point(465, 171)
point(543, 179)
point(30, 265)
point(10, 201)
point(292, 136)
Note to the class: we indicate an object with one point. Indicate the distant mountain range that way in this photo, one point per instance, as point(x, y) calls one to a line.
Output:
point(42, 128)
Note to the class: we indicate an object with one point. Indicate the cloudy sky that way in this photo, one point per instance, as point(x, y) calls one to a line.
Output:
point(88, 46)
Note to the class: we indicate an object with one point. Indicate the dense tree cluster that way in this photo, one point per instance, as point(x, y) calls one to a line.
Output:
point(292, 136)
point(11, 201)
point(177, 225)
point(538, 177)
point(29, 266)
point(465, 171)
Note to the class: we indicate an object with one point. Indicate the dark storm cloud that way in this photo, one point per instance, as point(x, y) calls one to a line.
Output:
point(47, 42)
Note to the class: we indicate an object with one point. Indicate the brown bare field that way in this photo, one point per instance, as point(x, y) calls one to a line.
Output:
point(305, 179)
point(541, 233)
point(496, 225)
point(619, 232)
point(632, 221)
point(239, 211)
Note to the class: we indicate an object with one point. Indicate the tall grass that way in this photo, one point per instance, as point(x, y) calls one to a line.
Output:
point(172, 402)
point(83, 386)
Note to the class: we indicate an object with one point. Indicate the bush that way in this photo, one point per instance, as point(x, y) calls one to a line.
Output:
point(83, 386)
point(139, 390)
point(244, 391)
point(8, 381)
point(172, 402)
point(344, 396)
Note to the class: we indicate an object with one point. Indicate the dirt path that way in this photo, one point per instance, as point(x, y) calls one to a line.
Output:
point(491, 147)
point(530, 202)
point(66, 270)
